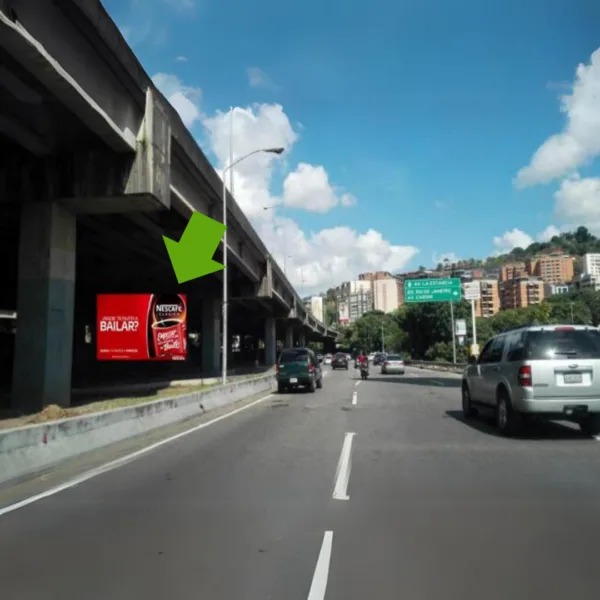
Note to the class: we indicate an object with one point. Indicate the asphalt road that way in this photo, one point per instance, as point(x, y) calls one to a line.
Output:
point(364, 490)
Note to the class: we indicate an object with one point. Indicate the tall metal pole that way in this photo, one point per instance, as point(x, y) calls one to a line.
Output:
point(225, 315)
point(453, 332)
point(382, 340)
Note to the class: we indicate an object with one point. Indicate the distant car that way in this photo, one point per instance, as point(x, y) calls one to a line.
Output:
point(320, 358)
point(339, 361)
point(298, 367)
point(372, 357)
point(393, 364)
point(327, 359)
point(379, 358)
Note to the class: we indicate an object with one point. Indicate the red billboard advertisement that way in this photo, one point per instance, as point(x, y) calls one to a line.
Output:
point(141, 327)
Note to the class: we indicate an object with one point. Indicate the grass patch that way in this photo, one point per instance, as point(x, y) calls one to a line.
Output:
point(55, 412)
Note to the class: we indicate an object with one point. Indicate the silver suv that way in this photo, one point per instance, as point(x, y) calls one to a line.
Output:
point(550, 371)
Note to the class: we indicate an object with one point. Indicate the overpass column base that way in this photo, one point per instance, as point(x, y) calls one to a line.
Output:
point(302, 340)
point(270, 342)
point(289, 336)
point(211, 336)
point(45, 307)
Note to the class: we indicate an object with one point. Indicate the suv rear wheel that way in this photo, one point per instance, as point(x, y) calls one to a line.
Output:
point(508, 420)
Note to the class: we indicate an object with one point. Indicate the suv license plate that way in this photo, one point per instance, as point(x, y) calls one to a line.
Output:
point(293, 380)
point(573, 378)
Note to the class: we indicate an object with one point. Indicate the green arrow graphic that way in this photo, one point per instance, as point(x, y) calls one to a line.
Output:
point(191, 256)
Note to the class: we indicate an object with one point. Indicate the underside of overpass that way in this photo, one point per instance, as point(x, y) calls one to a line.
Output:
point(57, 256)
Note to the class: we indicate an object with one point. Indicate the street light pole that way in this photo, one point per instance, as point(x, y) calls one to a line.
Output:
point(229, 167)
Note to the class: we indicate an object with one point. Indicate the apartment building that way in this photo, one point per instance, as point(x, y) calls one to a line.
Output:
point(353, 299)
point(386, 294)
point(489, 304)
point(314, 305)
point(387, 290)
point(521, 292)
point(553, 269)
point(513, 270)
point(589, 264)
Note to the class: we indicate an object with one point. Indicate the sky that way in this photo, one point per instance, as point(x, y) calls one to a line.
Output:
point(414, 130)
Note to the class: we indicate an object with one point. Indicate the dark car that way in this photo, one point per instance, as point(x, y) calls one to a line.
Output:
point(339, 361)
point(298, 367)
point(379, 358)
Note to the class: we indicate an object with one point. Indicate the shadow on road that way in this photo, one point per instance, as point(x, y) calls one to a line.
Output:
point(537, 430)
point(437, 382)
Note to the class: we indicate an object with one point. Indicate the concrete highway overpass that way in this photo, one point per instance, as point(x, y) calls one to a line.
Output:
point(96, 167)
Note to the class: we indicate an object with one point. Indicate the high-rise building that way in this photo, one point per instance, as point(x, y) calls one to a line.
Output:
point(489, 304)
point(513, 270)
point(521, 292)
point(386, 294)
point(387, 290)
point(314, 305)
point(355, 298)
point(553, 269)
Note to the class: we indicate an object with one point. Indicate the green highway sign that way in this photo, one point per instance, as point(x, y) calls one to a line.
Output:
point(432, 290)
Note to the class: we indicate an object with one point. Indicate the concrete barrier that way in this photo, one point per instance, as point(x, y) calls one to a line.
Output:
point(437, 366)
point(29, 449)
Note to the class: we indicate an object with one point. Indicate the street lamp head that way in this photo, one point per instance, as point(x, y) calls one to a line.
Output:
point(275, 150)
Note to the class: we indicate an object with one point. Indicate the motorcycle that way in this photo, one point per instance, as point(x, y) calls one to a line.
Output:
point(364, 371)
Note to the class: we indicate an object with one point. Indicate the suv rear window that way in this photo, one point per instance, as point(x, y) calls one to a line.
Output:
point(394, 357)
point(562, 344)
point(287, 356)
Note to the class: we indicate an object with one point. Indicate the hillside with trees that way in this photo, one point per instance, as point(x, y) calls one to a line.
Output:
point(575, 243)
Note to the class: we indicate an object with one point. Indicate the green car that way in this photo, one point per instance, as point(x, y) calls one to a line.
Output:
point(298, 367)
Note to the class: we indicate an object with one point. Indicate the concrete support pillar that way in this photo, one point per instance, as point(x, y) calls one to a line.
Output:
point(302, 340)
point(270, 342)
point(289, 337)
point(45, 307)
point(211, 336)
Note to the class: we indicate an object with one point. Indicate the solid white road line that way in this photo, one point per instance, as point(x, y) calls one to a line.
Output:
point(358, 383)
point(342, 474)
point(119, 462)
point(354, 398)
point(318, 587)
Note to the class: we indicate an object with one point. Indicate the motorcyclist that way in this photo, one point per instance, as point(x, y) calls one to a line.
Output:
point(363, 360)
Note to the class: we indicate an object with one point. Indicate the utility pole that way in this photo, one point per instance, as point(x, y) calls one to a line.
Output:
point(453, 332)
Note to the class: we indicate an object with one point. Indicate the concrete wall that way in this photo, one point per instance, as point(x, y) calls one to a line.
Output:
point(26, 450)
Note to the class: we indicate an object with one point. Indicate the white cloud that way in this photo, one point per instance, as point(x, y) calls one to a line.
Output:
point(257, 78)
point(323, 259)
point(308, 188)
point(578, 202)
point(185, 99)
point(451, 257)
point(547, 234)
point(579, 142)
point(512, 239)
point(181, 59)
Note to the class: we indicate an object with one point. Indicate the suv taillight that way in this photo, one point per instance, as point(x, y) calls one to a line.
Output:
point(524, 377)
point(311, 367)
point(386, 364)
